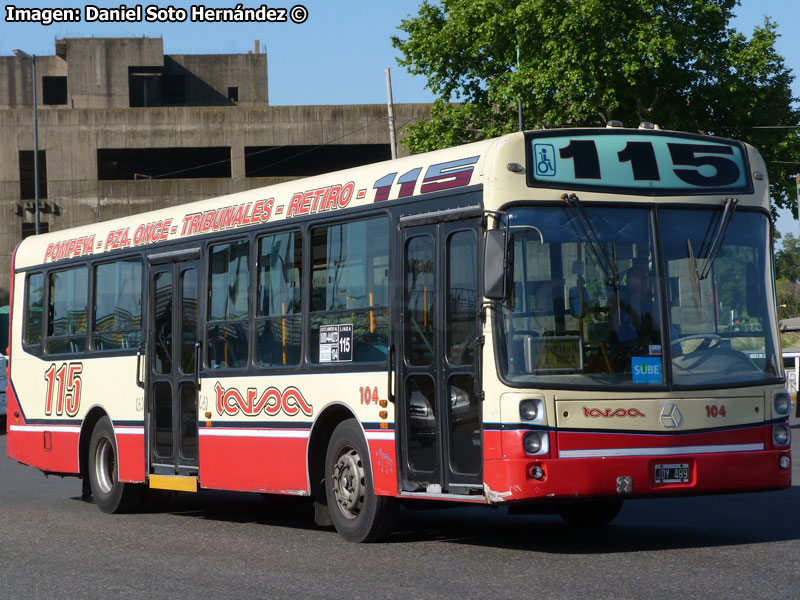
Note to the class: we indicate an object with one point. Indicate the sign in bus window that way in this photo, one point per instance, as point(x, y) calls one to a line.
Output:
point(554, 354)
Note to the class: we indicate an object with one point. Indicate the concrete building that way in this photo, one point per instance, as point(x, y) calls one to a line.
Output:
point(123, 128)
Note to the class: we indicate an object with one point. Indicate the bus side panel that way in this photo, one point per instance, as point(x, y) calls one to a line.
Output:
point(252, 460)
point(51, 448)
point(131, 453)
point(384, 462)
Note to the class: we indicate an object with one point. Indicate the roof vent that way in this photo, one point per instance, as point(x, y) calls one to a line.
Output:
point(614, 123)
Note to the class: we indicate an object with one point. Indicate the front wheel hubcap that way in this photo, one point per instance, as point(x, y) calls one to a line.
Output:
point(349, 482)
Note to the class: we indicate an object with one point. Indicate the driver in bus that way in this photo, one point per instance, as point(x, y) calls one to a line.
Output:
point(634, 318)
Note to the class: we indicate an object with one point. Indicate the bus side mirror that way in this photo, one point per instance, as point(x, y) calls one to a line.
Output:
point(496, 265)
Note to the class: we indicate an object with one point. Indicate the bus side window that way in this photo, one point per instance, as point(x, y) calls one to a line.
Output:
point(34, 306)
point(278, 319)
point(349, 282)
point(117, 305)
point(67, 311)
point(228, 330)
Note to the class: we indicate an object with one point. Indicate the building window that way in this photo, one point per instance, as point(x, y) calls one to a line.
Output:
point(144, 86)
point(233, 94)
point(173, 89)
point(163, 163)
point(302, 161)
point(30, 228)
point(26, 178)
point(54, 90)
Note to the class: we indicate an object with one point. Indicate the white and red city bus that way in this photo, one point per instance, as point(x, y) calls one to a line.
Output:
point(551, 320)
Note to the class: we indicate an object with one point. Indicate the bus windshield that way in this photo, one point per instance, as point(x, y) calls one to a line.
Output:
point(591, 306)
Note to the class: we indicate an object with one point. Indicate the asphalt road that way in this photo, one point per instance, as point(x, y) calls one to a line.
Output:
point(225, 545)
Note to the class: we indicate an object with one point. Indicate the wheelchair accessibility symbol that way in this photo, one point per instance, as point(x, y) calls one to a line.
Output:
point(545, 158)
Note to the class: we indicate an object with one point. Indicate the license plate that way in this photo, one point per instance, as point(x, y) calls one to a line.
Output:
point(672, 473)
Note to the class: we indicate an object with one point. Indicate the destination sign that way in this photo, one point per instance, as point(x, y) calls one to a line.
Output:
point(557, 354)
point(637, 162)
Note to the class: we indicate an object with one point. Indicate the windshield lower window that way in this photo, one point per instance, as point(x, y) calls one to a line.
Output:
point(590, 306)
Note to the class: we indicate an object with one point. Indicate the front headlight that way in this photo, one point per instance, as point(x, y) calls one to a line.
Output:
point(532, 442)
point(781, 434)
point(782, 403)
point(528, 410)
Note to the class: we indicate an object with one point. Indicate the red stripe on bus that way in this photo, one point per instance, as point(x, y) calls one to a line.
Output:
point(574, 440)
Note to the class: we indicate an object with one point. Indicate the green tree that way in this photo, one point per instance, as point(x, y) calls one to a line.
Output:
point(788, 296)
point(678, 63)
point(787, 259)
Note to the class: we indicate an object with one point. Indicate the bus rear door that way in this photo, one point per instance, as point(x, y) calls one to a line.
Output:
point(172, 352)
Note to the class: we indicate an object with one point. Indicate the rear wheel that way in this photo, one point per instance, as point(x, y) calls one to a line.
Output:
point(592, 513)
point(357, 513)
point(109, 494)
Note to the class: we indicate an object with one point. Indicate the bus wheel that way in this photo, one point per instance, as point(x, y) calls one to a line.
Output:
point(109, 494)
point(357, 513)
point(592, 513)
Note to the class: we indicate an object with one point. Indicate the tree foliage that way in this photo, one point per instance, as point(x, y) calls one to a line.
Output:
point(787, 259)
point(678, 63)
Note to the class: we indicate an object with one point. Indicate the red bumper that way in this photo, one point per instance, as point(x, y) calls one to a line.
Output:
point(583, 464)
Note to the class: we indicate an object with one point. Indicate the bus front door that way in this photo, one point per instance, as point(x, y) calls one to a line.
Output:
point(438, 409)
point(171, 354)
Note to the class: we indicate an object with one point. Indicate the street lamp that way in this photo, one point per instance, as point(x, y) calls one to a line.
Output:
point(32, 58)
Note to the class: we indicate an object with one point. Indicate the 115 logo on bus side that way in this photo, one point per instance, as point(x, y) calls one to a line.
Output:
point(441, 176)
point(63, 395)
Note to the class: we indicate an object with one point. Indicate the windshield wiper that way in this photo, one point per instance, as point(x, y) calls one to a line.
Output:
point(608, 264)
point(713, 251)
point(719, 239)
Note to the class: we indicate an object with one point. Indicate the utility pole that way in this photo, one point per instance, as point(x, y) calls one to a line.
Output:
point(392, 140)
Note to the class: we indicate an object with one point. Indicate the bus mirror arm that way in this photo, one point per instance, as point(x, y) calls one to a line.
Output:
point(139, 352)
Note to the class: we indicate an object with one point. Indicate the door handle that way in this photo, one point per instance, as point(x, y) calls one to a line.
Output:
point(390, 387)
point(478, 379)
point(139, 351)
point(198, 348)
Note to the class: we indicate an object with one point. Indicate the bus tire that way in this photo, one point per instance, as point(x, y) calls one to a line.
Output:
point(358, 514)
point(592, 513)
point(108, 493)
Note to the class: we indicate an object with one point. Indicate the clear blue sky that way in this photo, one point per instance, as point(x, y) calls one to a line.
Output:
point(338, 56)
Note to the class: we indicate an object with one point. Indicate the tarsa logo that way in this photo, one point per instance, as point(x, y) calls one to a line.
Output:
point(608, 413)
point(271, 402)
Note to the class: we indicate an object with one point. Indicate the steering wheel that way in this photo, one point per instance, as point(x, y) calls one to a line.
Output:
point(707, 338)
